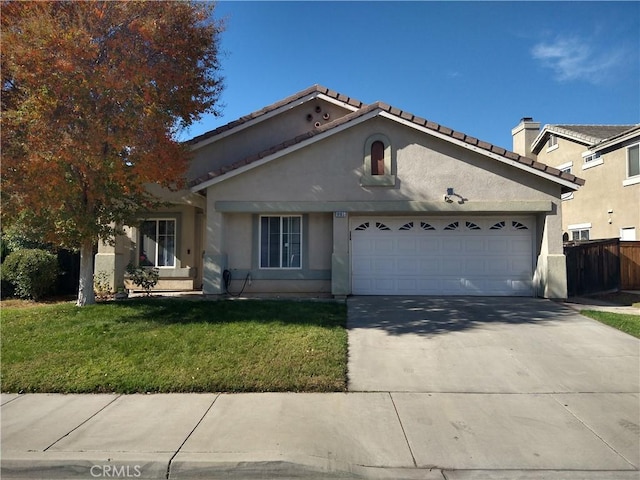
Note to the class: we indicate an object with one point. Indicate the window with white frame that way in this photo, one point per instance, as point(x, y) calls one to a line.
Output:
point(566, 168)
point(582, 234)
point(628, 233)
point(579, 231)
point(591, 159)
point(157, 241)
point(281, 241)
point(553, 141)
point(633, 161)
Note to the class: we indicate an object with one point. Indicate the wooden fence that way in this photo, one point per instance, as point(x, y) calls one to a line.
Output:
point(630, 265)
point(602, 265)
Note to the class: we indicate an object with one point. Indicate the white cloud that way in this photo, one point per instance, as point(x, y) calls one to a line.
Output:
point(575, 59)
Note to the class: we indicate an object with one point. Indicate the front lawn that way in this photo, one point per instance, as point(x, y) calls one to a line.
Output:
point(175, 345)
point(624, 322)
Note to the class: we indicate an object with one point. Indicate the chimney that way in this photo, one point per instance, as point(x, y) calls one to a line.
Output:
point(523, 136)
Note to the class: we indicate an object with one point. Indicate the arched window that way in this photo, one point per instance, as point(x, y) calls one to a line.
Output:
point(377, 158)
point(378, 168)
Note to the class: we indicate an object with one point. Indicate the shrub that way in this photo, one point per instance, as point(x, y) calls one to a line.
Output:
point(144, 277)
point(32, 272)
point(101, 286)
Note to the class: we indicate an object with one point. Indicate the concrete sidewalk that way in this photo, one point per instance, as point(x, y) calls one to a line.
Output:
point(380, 435)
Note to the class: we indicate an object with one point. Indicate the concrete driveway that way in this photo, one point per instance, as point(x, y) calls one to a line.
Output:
point(485, 345)
point(490, 383)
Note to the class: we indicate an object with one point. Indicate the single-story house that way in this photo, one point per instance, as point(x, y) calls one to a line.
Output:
point(321, 194)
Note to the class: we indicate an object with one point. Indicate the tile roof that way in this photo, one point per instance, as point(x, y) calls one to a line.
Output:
point(589, 134)
point(315, 89)
point(364, 110)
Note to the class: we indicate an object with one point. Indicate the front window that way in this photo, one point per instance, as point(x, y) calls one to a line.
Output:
point(281, 242)
point(157, 243)
point(553, 141)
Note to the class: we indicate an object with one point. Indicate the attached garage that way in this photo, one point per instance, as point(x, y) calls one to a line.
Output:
point(442, 256)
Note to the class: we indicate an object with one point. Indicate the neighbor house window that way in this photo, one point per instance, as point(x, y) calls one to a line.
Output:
point(633, 161)
point(281, 242)
point(591, 159)
point(579, 231)
point(566, 168)
point(628, 233)
point(553, 141)
point(580, 234)
point(157, 243)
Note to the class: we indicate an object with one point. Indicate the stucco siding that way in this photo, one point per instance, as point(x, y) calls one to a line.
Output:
point(604, 202)
point(261, 136)
point(425, 167)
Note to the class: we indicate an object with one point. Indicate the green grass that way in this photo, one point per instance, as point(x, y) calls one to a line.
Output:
point(173, 345)
point(624, 322)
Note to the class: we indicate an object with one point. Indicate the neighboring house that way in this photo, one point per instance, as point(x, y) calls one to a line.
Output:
point(321, 194)
point(607, 158)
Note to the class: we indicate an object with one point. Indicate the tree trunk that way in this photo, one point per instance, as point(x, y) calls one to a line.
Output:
point(86, 295)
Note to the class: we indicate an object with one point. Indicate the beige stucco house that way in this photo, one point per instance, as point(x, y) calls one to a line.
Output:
point(321, 194)
point(607, 158)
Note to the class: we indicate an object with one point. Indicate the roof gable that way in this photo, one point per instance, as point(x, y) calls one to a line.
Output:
point(587, 135)
point(315, 91)
point(365, 112)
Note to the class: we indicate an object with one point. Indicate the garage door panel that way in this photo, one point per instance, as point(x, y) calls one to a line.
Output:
point(520, 246)
point(497, 245)
point(474, 245)
point(408, 266)
point(471, 259)
point(407, 245)
point(384, 266)
point(450, 245)
point(429, 244)
point(474, 265)
point(362, 266)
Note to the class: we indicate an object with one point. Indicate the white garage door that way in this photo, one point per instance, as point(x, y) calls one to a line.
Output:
point(435, 256)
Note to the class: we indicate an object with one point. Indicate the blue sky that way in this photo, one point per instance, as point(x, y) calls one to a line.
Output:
point(476, 67)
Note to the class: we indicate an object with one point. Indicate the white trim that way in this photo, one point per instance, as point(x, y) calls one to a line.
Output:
point(579, 226)
point(631, 181)
point(633, 132)
point(564, 166)
point(566, 196)
point(593, 163)
point(553, 147)
point(634, 179)
point(631, 229)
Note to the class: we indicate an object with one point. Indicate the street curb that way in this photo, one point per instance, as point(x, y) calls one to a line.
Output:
point(93, 465)
point(84, 465)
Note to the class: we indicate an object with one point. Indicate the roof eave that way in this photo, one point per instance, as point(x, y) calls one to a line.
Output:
point(385, 111)
point(268, 112)
point(624, 137)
